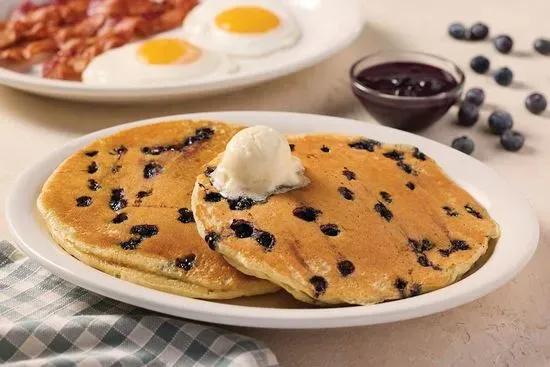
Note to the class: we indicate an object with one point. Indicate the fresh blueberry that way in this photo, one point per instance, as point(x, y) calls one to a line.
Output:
point(464, 144)
point(512, 140)
point(480, 64)
point(542, 46)
point(457, 31)
point(503, 43)
point(475, 96)
point(535, 103)
point(468, 114)
point(504, 76)
point(479, 31)
point(500, 121)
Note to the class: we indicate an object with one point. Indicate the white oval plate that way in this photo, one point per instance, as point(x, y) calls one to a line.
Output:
point(327, 27)
point(519, 225)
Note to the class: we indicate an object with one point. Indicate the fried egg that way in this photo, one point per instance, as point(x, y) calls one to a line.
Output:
point(165, 59)
point(242, 28)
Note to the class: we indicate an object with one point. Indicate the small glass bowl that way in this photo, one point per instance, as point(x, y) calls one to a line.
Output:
point(404, 112)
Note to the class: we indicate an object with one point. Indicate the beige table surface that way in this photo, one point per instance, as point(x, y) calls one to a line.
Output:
point(510, 327)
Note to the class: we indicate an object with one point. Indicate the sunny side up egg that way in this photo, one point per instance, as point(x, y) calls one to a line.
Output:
point(241, 28)
point(164, 59)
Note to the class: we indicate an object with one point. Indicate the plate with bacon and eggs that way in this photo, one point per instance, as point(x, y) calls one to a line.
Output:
point(150, 50)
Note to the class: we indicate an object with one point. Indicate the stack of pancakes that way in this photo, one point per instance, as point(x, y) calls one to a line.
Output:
point(377, 222)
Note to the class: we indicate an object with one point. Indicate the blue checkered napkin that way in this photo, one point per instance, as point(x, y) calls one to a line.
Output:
point(46, 321)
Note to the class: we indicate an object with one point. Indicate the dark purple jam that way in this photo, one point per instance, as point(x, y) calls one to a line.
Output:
point(407, 79)
point(412, 80)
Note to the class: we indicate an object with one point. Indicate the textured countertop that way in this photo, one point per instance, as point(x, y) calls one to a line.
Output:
point(511, 326)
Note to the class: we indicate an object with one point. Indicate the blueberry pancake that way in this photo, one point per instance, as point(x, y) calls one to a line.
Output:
point(123, 205)
point(377, 222)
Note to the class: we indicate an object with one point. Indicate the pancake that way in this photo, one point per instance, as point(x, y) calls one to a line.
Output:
point(378, 222)
point(122, 205)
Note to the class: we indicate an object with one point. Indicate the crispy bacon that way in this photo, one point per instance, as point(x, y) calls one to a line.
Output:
point(76, 31)
point(24, 56)
point(86, 28)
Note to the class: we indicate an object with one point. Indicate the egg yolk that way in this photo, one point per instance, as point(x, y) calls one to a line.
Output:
point(247, 19)
point(166, 51)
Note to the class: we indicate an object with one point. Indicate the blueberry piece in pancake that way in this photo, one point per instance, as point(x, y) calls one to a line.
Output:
point(123, 205)
point(377, 222)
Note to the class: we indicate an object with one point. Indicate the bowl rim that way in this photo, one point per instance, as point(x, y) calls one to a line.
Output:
point(436, 97)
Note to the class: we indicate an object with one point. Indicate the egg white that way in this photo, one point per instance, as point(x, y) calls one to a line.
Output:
point(121, 66)
point(200, 28)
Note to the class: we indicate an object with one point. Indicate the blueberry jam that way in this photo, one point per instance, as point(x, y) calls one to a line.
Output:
point(407, 79)
point(379, 87)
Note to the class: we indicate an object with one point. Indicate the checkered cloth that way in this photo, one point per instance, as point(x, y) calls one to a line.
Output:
point(46, 321)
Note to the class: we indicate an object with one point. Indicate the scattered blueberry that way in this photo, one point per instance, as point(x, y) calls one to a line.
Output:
point(450, 211)
point(265, 239)
point(386, 196)
point(479, 31)
point(306, 213)
point(418, 154)
point(92, 167)
point(542, 46)
point(512, 140)
point(345, 267)
point(187, 262)
point(401, 286)
point(330, 229)
point(346, 193)
point(504, 76)
point(141, 195)
point(475, 96)
point(212, 240)
point(240, 203)
point(456, 245)
point(121, 150)
point(93, 185)
point(394, 155)
point(468, 114)
point(350, 175)
point(464, 144)
point(186, 216)
point(535, 103)
point(365, 144)
point(503, 43)
point(213, 197)
point(84, 201)
point(500, 121)
point(152, 169)
point(204, 133)
point(319, 285)
point(457, 31)
point(118, 202)
point(407, 168)
point(473, 212)
point(119, 218)
point(480, 64)
point(383, 211)
point(131, 244)
point(242, 228)
point(325, 149)
point(145, 230)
